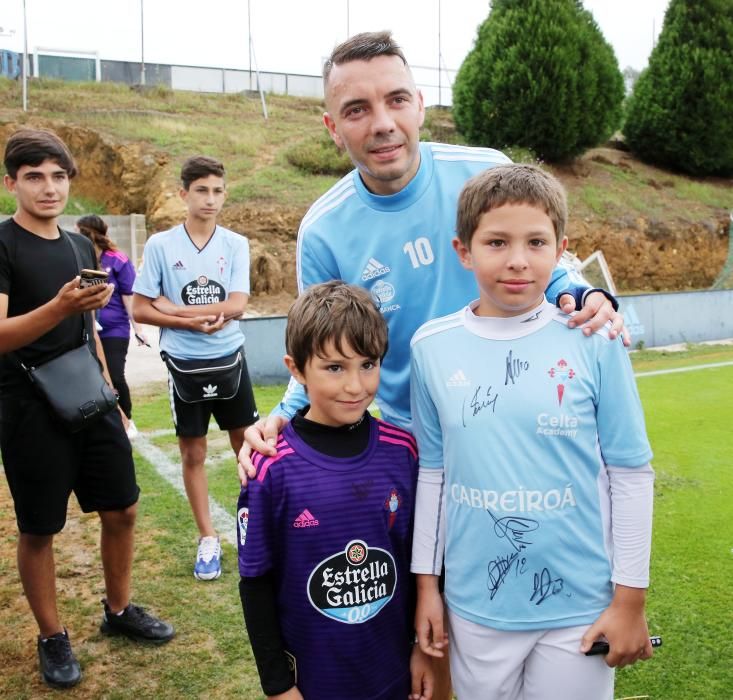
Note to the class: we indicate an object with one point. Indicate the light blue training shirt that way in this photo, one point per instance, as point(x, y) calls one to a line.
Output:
point(175, 268)
point(398, 247)
point(523, 414)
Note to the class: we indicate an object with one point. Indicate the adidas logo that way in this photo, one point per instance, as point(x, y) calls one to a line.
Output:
point(457, 379)
point(374, 269)
point(178, 266)
point(210, 391)
point(305, 519)
point(632, 320)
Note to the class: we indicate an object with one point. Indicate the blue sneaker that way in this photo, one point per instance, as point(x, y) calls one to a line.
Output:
point(208, 559)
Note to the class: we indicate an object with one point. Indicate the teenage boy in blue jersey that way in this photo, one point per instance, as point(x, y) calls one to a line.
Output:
point(194, 279)
point(534, 466)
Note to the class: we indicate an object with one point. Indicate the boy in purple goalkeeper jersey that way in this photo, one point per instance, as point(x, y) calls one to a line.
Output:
point(325, 528)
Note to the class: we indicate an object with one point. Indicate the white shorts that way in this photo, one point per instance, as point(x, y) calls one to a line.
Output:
point(490, 664)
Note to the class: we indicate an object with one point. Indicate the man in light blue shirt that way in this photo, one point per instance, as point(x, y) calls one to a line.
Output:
point(388, 225)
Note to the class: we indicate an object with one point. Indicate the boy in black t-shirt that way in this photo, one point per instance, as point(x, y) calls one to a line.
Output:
point(41, 309)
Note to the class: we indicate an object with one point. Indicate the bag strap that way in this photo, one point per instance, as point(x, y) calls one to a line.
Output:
point(85, 322)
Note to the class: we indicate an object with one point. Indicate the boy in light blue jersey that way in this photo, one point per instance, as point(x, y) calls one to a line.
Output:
point(194, 281)
point(535, 479)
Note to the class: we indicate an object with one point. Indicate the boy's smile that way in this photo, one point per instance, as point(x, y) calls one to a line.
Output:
point(340, 386)
point(512, 254)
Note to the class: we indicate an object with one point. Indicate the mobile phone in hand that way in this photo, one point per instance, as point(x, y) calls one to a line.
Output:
point(602, 647)
point(91, 277)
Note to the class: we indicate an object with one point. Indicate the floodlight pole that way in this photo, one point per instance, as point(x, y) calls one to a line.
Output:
point(249, 32)
point(142, 42)
point(440, 82)
point(25, 59)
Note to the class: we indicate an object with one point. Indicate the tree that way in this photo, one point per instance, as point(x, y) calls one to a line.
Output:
point(680, 114)
point(542, 76)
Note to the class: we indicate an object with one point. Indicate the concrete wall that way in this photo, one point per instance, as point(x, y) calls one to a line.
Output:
point(128, 232)
point(679, 317)
point(655, 319)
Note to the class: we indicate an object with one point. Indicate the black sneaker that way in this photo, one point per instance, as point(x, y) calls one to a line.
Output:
point(136, 624)
point(59, 667)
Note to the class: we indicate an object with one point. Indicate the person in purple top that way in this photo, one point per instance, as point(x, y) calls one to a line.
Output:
point(116, 317)
point(325, 528)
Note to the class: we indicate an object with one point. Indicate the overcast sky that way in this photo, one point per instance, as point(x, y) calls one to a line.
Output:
point(289, 35)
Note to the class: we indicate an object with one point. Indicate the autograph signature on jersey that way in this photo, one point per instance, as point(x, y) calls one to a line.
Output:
point(545, 586)
point(514, 531)
point(479, 401)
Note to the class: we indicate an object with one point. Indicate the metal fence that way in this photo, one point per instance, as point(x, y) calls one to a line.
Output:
point(435, 84)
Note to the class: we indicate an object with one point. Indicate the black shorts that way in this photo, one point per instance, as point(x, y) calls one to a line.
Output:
point(44, 464)
point(192, 419)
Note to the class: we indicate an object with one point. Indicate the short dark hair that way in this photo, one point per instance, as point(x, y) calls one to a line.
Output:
point(197, 167)
point(362, 47)
point(95, 229)
point(336, 312)
point(32, 147)
point(515, 183)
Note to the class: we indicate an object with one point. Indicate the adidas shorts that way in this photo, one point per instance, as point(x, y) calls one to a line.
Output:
point(192, 419)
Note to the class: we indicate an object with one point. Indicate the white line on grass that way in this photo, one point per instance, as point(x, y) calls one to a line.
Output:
point(223, 522)
point(691, 368)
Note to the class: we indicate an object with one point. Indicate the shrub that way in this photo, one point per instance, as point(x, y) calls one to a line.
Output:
point(680, 114)
point(319, 156)
point(541, 76)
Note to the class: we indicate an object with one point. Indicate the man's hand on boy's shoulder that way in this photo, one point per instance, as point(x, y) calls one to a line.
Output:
point(596, 312)
point(259, 437)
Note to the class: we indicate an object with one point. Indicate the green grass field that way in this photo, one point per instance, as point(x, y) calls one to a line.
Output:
point(688, 420)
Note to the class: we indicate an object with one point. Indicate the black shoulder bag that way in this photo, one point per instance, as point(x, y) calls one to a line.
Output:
point(73, 383)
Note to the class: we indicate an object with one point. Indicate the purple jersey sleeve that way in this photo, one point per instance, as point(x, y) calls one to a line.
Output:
point(254, 521)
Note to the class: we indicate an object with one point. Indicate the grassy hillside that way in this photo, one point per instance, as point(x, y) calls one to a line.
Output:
point(256, 150)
